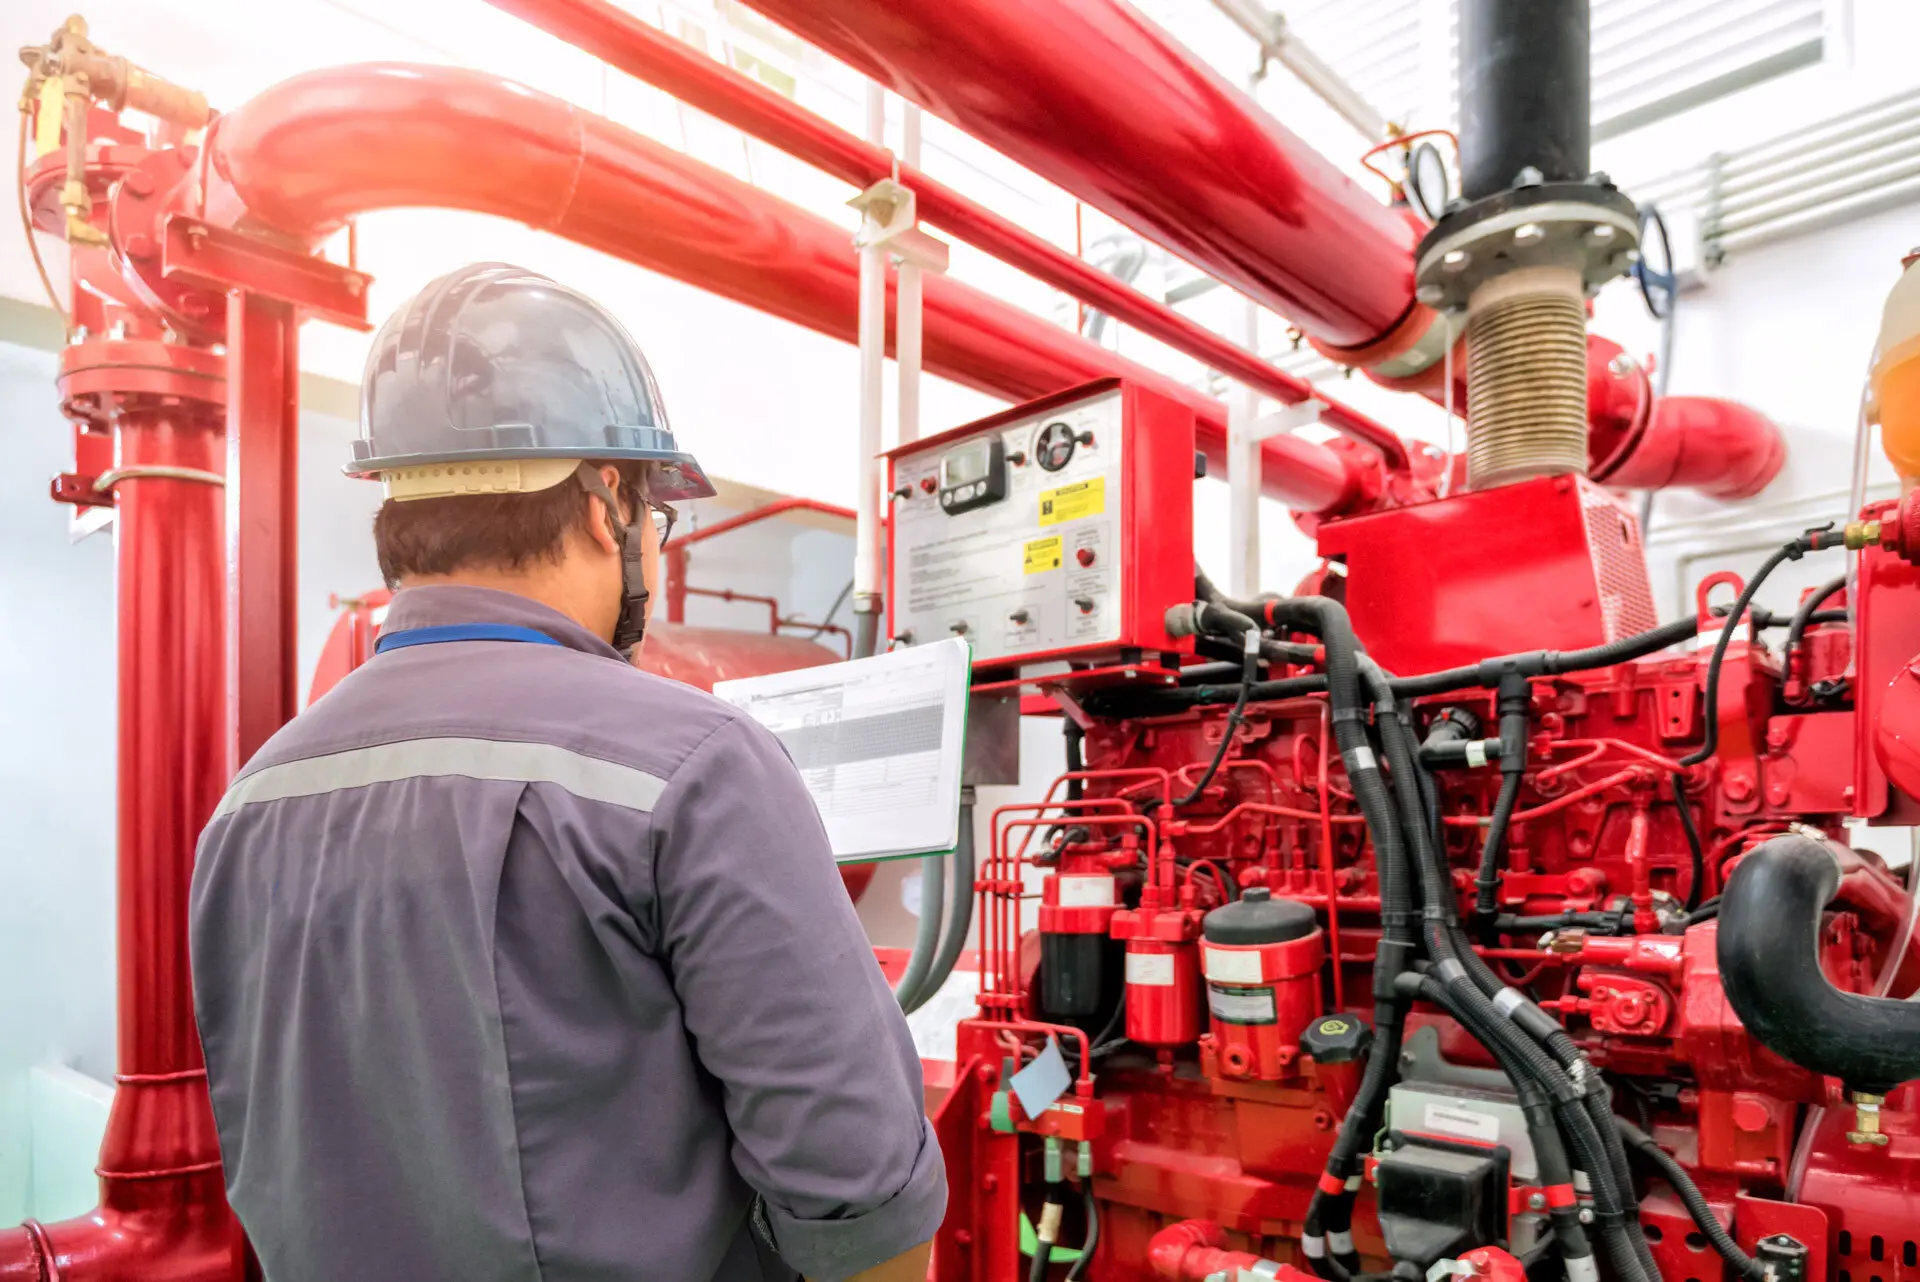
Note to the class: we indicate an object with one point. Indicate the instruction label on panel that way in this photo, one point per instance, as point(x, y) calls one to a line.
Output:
point(1071, 502)
point(1043, 554)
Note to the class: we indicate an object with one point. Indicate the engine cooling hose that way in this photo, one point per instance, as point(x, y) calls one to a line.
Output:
point(1774, 981)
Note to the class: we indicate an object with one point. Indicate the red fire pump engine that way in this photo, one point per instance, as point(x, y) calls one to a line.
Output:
point(1557, 954)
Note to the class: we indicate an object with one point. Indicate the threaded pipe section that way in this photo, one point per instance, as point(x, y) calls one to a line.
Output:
point(1526, 377)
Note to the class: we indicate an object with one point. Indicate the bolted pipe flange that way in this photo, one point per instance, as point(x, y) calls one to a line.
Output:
point(1589, 227)
point(101, 378)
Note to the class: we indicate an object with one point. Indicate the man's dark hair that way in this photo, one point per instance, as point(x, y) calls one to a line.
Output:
point(487, 531)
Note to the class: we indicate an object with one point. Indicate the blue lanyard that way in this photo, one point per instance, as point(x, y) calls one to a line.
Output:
point(460, 632)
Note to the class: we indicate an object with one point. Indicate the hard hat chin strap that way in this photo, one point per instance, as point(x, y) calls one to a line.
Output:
point(632, 624)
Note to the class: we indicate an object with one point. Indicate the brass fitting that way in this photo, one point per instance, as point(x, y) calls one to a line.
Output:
point(1862, 534)
point(1866, 1120)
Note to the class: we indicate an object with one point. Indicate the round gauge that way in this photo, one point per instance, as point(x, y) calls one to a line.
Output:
point(1427, 181)
point(1054, 446)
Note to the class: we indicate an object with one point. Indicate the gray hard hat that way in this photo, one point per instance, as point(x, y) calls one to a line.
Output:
point(494, 362)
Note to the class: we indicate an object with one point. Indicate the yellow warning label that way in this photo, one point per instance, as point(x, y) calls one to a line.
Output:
point(1043, 554)
point(1071, 502)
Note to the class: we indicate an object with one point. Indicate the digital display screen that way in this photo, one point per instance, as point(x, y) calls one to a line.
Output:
point(965, 465)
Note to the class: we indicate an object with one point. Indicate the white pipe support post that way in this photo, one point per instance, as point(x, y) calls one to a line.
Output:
point(907, 303)
point(1244, 438)
point(867, 586)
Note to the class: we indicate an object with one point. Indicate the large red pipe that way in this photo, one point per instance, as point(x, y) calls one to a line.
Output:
point(162, 1215)
point(640, 49)
point(307, 154)
point(1093, 96)
point(1134, 124)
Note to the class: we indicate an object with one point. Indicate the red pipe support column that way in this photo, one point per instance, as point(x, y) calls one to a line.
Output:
point(263, 458)
point(312, 151)
point(162, 1214)
point(1093, 96)
point(639, 48)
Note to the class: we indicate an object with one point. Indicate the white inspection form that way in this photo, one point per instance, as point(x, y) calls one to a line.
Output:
point(878, 742)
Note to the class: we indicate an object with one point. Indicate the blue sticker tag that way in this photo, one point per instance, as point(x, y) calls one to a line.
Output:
point(1042, 1082)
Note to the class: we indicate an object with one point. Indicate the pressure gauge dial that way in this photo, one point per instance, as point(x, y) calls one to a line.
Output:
point(1054, 446)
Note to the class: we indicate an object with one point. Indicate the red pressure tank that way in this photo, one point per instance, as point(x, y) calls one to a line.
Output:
point(1263, 958)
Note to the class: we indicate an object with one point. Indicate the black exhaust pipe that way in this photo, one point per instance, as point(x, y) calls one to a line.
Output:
point(1769, 953)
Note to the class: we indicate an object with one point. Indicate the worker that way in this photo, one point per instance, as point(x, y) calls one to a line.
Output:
point(513, 963)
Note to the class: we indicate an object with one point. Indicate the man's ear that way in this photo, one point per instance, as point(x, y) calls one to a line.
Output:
point(599, 527)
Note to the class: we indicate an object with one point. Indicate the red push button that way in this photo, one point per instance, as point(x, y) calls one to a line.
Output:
point(1084, 556)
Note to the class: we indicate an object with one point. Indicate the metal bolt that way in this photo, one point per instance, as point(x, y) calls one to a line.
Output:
point(1620, 366)
point(1431, 295)
point(1528, 177)
point(1529, 233)
point(138, 183)
point(989, 1182)
point(1602, 233)
point(1586, 1215)
point(1536, 1201)
point(1455, 260)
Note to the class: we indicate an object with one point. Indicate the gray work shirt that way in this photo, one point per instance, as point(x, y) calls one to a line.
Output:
point(513, 963)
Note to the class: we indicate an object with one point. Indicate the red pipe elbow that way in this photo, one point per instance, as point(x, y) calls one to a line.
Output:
point(1720, 448)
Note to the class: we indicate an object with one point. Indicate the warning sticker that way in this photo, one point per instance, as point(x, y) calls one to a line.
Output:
point(1043, 554)
point(1071, 502)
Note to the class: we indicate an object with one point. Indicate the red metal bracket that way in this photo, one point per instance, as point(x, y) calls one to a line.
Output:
point(200, 255)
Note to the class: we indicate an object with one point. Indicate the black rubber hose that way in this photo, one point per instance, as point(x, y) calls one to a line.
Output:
point(1544, 663)
point(1213, 617)
point(1769, 956)
point(1813, 540)
point(1494, 847)
point(1676, 1175)
point(1607, 923)
point(1549, 1152)
point(1521, 1029)
point(1803, 616)
point(1696, 854)
point(1093, 1235)
point(1076, 755)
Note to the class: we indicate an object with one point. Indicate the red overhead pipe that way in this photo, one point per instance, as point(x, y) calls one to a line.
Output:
point(640, 49)
point(307, 154)
point(1135, 125)
point(1090, 94)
